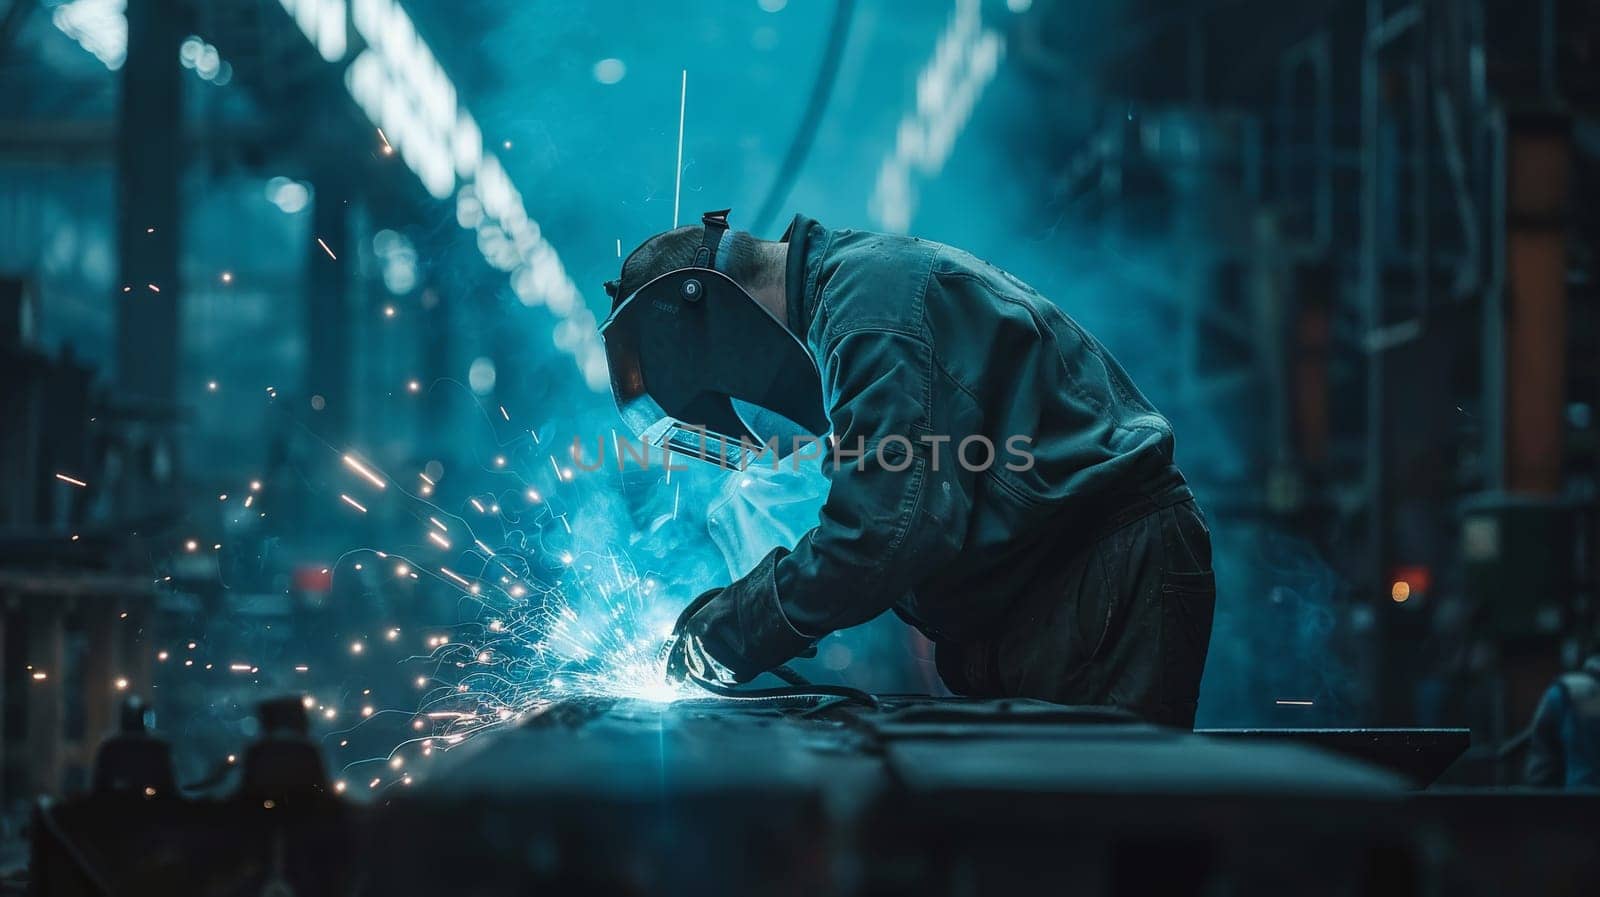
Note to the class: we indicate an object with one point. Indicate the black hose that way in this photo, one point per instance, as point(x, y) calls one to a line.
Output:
point(800, 146)
point(799, 687)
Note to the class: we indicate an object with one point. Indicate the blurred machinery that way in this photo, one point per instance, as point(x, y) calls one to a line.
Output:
point(1382, 200)
point(73, 598)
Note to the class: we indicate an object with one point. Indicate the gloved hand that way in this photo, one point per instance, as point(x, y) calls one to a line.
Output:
point(705, 644)
point(687, 655)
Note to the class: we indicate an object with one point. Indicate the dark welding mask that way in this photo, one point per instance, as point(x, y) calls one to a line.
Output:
point(699, 367)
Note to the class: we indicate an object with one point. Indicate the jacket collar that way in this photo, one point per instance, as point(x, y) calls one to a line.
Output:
point(807, 241)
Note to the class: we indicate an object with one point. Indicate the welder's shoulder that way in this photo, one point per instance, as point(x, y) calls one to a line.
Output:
point(872, 281)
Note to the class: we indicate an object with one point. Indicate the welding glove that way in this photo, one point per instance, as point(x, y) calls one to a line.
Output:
point(687, 654)
point(742, 628)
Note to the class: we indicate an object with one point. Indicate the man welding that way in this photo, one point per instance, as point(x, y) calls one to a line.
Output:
point(995, 477)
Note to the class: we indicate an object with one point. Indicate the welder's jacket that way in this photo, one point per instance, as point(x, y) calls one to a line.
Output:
point(916, 339)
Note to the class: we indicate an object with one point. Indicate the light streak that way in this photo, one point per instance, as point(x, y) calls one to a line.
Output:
point(74, 481)
point(1295, 702)
point(326, 249)
point(439, 540)
point(353, 503)
point(455, 576)
point(677, 187)
point(388, 148)
point(436, 522)
point(354, 464)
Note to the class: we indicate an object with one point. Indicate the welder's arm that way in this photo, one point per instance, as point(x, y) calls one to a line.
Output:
point(888, 516)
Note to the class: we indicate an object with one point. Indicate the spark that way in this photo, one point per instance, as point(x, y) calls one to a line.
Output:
point(677, 189)
point(439, 540)
point(356, 647)
point(73, 481)
point(477, 504)
point(354, 464)
point(162, 656)
point(239, 667)
point(1294, 702)
point(40, 675)
point(249, 500)
point(326, 249)
point(339, 786)
point(503, 413)
point(227, 277)
point(153, 288)
point(484, 548)
point(388, 148)
point(301, 668)
point(353, 503)
point(455, 576)
point(436, 522)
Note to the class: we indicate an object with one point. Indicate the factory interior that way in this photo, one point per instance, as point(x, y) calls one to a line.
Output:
point(309, 583)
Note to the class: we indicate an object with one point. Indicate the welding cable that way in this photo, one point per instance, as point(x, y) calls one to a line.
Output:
point(821, 90)
point(799, 688)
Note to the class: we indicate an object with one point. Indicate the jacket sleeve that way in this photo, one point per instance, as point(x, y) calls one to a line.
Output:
point(1545, 765)
point(890, 507)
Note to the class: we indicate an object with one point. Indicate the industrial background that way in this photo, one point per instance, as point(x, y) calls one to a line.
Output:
point(249, 248)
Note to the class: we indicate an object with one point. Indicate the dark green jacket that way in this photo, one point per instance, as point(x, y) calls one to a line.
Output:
point(917, 341)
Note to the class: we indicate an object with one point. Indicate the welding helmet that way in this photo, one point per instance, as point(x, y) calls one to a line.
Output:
point(699, 367)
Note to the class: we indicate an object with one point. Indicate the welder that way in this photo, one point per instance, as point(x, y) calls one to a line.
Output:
point(1564, 748)
point(995, 476)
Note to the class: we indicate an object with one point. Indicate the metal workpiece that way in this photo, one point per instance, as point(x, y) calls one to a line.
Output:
point(844, 799)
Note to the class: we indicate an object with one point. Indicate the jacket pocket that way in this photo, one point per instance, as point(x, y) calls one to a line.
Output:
point(1188, 601)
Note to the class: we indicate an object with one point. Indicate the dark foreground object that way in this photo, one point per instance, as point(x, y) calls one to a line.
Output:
point(922, 796)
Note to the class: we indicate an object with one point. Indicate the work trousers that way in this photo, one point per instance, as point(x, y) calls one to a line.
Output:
point(1123, 619)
